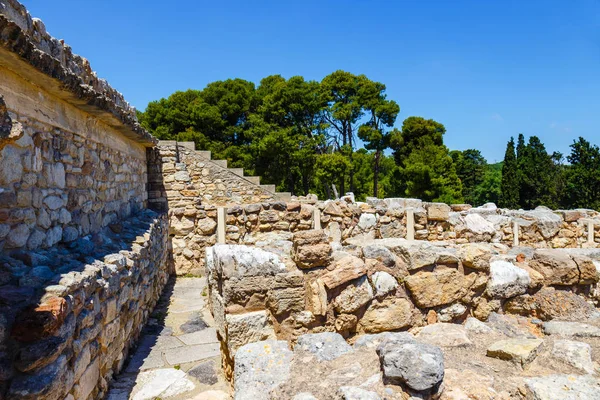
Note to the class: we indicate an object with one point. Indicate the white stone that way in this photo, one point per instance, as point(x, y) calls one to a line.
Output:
point(507, 280)
point(247, 328)
point(383, 283)
point(11, 169)
point(563, 387)
point(479, 225)
point(576, 354)
point(161, 382)
point(476, 326)
point(367, 221)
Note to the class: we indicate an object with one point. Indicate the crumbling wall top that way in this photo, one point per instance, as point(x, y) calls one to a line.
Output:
point(28, 50)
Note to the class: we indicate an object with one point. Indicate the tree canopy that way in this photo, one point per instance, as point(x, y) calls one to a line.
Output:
point(342, 133)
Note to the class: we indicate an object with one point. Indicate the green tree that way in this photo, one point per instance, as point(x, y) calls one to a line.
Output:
point(537, 176)
point(382, 114)
point(510, 186)
point(583, 175)
point(489, 190)
point(426, 170)
point(470, 167)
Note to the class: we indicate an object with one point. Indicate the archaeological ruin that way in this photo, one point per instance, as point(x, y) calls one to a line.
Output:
point(132, 268)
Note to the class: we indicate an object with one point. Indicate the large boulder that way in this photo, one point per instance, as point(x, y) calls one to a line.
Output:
point(575, 354)
point(354, 296)
point(507, 280)
point(563, 387)
point(344, 270)
point(388, 314)
point(570, 329)
point(417, 365)
point(417, 254)
point(443, 286)
point(478, 225)
point(311, 249)
point(475, 255)
point(239, 261)
point(549, 303)
point(556, 266)
point(261, 367)
point(325, 346)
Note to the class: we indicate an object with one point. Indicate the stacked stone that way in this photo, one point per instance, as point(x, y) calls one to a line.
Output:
point(69, 314)
point(386, 285)
point(57, 186)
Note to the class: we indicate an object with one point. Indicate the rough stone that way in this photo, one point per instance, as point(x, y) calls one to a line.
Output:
point(248, 328)
point(383, 283)
point(444, 335)
point(419, 366)
point(325, 346)
point(521, 351)
point(356, 393)
point(475, 255)
point(563, 387)
point(507, 280)
point(557, 267)
point(386, 315)
point(570, 329)
point(431, 289)
point(344, 270)
point(259, 368)
point(575, 354)
point(354, 296)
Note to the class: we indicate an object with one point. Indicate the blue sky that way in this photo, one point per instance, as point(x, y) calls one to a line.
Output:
point(485, 69)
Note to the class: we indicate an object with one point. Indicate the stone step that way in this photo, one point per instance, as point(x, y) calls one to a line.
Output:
point(237, 171)
point(204, 154)
point(283, 196)
point(221, 163)
point(188, 145)
point(253, 179)
point(268, 188)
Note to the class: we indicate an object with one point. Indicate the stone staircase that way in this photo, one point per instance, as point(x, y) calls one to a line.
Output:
point(255, 180)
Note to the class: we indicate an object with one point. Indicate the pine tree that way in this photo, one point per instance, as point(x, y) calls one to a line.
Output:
point(509, 197)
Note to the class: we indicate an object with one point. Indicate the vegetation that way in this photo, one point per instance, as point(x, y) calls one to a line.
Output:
point(338, 135)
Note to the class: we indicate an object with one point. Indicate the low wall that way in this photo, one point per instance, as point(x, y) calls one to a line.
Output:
point(70, 313)
point(195, 225)
point(292, 285)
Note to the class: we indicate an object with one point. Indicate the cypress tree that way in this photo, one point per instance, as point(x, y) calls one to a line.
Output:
point(509, 197)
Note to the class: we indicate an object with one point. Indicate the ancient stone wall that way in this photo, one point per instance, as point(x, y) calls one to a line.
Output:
point(82, 260)
point(289, 285)
point(189, 186)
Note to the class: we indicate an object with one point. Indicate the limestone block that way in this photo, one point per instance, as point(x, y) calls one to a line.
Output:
point(248, 328)
point(388, 314)
point(354, 296)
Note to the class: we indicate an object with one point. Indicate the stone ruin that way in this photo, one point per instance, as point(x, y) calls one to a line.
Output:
point(385, 299)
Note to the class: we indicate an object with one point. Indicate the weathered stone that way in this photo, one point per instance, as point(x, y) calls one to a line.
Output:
point(419, 366)
point(570, 329)
point(478, 225)
point(444, 335)
point(261, 367)
point(18, 236)
point(286, 300)
point(45, 383)
point(69, 234)
point(345, 322)
point(507, 280)
point(381, 254)
point(431, 289)
point(549, 303)
point(557, 267)
point(207, 226)
point(455, 311)
point(367, 221)
point(36, 277)
point(248, 328)
point(11, 168)
point(575, 354)
point(475, 255)
point(418, 254)
point(181, 227)
point(41, 321)
point(466, 384)
point(563, 387)
point(388, 314)
point(372, 340)
point(437, 211)
point(356, 393)
point(521, 351)
point(325, 346)
point(356, 295)
point(383, 283)
point(311, 256)
point(40, 353)
point(317, 297)
point(476, 326)
point(244, 261)
point(88, 380)
point(344, 270)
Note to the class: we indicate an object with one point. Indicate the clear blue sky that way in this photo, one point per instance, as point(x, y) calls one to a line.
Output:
point(485, 69)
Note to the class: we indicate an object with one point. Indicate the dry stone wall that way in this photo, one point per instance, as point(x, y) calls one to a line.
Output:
point(286, 286)
point(82, 259)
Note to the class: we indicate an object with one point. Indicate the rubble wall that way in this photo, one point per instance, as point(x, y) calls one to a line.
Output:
point(285, 286)
point(190, 187)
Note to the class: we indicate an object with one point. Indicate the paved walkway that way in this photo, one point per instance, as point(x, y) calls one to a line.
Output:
point(178, 353)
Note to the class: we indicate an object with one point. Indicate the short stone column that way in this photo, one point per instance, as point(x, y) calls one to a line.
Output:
point(410, 224)
point(590, 224)
point(515, 233)
point(316, 218)
point(221, 224)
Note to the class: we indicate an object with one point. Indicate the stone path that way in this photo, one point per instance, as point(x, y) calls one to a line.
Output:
point(178, 353)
